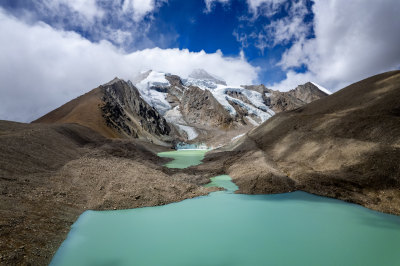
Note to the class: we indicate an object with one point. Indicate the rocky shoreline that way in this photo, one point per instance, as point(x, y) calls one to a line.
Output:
point(40, 215)
point(41, 199)
point(254, 174)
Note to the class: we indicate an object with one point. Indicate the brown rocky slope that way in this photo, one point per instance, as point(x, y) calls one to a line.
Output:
point(51, 173)
point(115, 110)
point(345, 146)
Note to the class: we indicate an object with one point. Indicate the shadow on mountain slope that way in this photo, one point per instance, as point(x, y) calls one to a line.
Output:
point(345, 146)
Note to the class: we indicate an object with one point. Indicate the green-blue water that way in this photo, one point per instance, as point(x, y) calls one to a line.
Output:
point(183, 158)
point(232, 229)
point(224, 181)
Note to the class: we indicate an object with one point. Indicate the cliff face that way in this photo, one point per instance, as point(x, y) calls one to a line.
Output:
point(201, 108)
point(115, 110)
point(164, 108)
point(307, 93)
point(128, 113)
point(285, 101)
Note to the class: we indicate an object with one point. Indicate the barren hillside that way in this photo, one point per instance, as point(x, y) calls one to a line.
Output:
point(345, 146)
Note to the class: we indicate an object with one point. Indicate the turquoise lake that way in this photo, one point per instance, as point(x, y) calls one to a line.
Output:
point(183, 158)
point(224, 228)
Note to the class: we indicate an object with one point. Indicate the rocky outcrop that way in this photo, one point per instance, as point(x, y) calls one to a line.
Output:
point(128, 113)
point(201, 108)
point(307, 93)
point(115, 110)
point(280, 101)
point(283, 101)
point(175, 91)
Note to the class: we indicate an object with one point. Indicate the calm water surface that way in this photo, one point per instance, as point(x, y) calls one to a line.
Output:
point(231, 229)
point(183, 158)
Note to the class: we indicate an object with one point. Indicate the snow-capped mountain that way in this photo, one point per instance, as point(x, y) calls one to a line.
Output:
point(153, 89)
point(166, 109)
point(201, 74)
point(202, 105)
point(202, 100)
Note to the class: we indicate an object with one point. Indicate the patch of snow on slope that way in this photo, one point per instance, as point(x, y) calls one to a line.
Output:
point(190, 131)
point(201, 83)
point(263, 115)
point(174, 116)
point(155, 98)
point(222, 98)
point(261, 110)
point(254, 97)
point(322, 88)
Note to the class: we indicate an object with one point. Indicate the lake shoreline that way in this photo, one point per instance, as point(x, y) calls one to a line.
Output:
point(256, 172)
point(142, 182)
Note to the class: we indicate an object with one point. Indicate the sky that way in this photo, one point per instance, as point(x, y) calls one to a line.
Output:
point(55, 50)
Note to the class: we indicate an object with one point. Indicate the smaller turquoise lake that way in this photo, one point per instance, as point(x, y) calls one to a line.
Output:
point(224, 181)
point(224, 228)
point(183, 158)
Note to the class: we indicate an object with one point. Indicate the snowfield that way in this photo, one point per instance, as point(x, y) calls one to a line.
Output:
point(153, 97)
point(174, 116)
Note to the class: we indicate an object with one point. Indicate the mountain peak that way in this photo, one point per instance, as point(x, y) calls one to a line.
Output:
point(200, 73)
point(116, 79)
point(321, 88)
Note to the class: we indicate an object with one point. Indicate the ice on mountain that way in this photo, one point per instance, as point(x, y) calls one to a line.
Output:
point(190, 131)
point(153, 88)
point(201, 74)
point(174, 116)
point(253, 96)
point(149, 88)
point(201, 83)
point(251, 109)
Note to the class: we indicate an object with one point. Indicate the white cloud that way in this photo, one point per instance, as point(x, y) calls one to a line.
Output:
point(279, 31)
point(139, 8)
point(87, 8)
point(124, 23)
point(291, 27)
point(264, 7)
point(120, 37)
point(210, 4)
point(353, 40)
point(41, 68)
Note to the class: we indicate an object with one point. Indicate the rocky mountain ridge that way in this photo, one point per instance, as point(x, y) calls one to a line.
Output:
point(203, 107)
point(344, 146)
point(114, 110)
point(166, 109)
